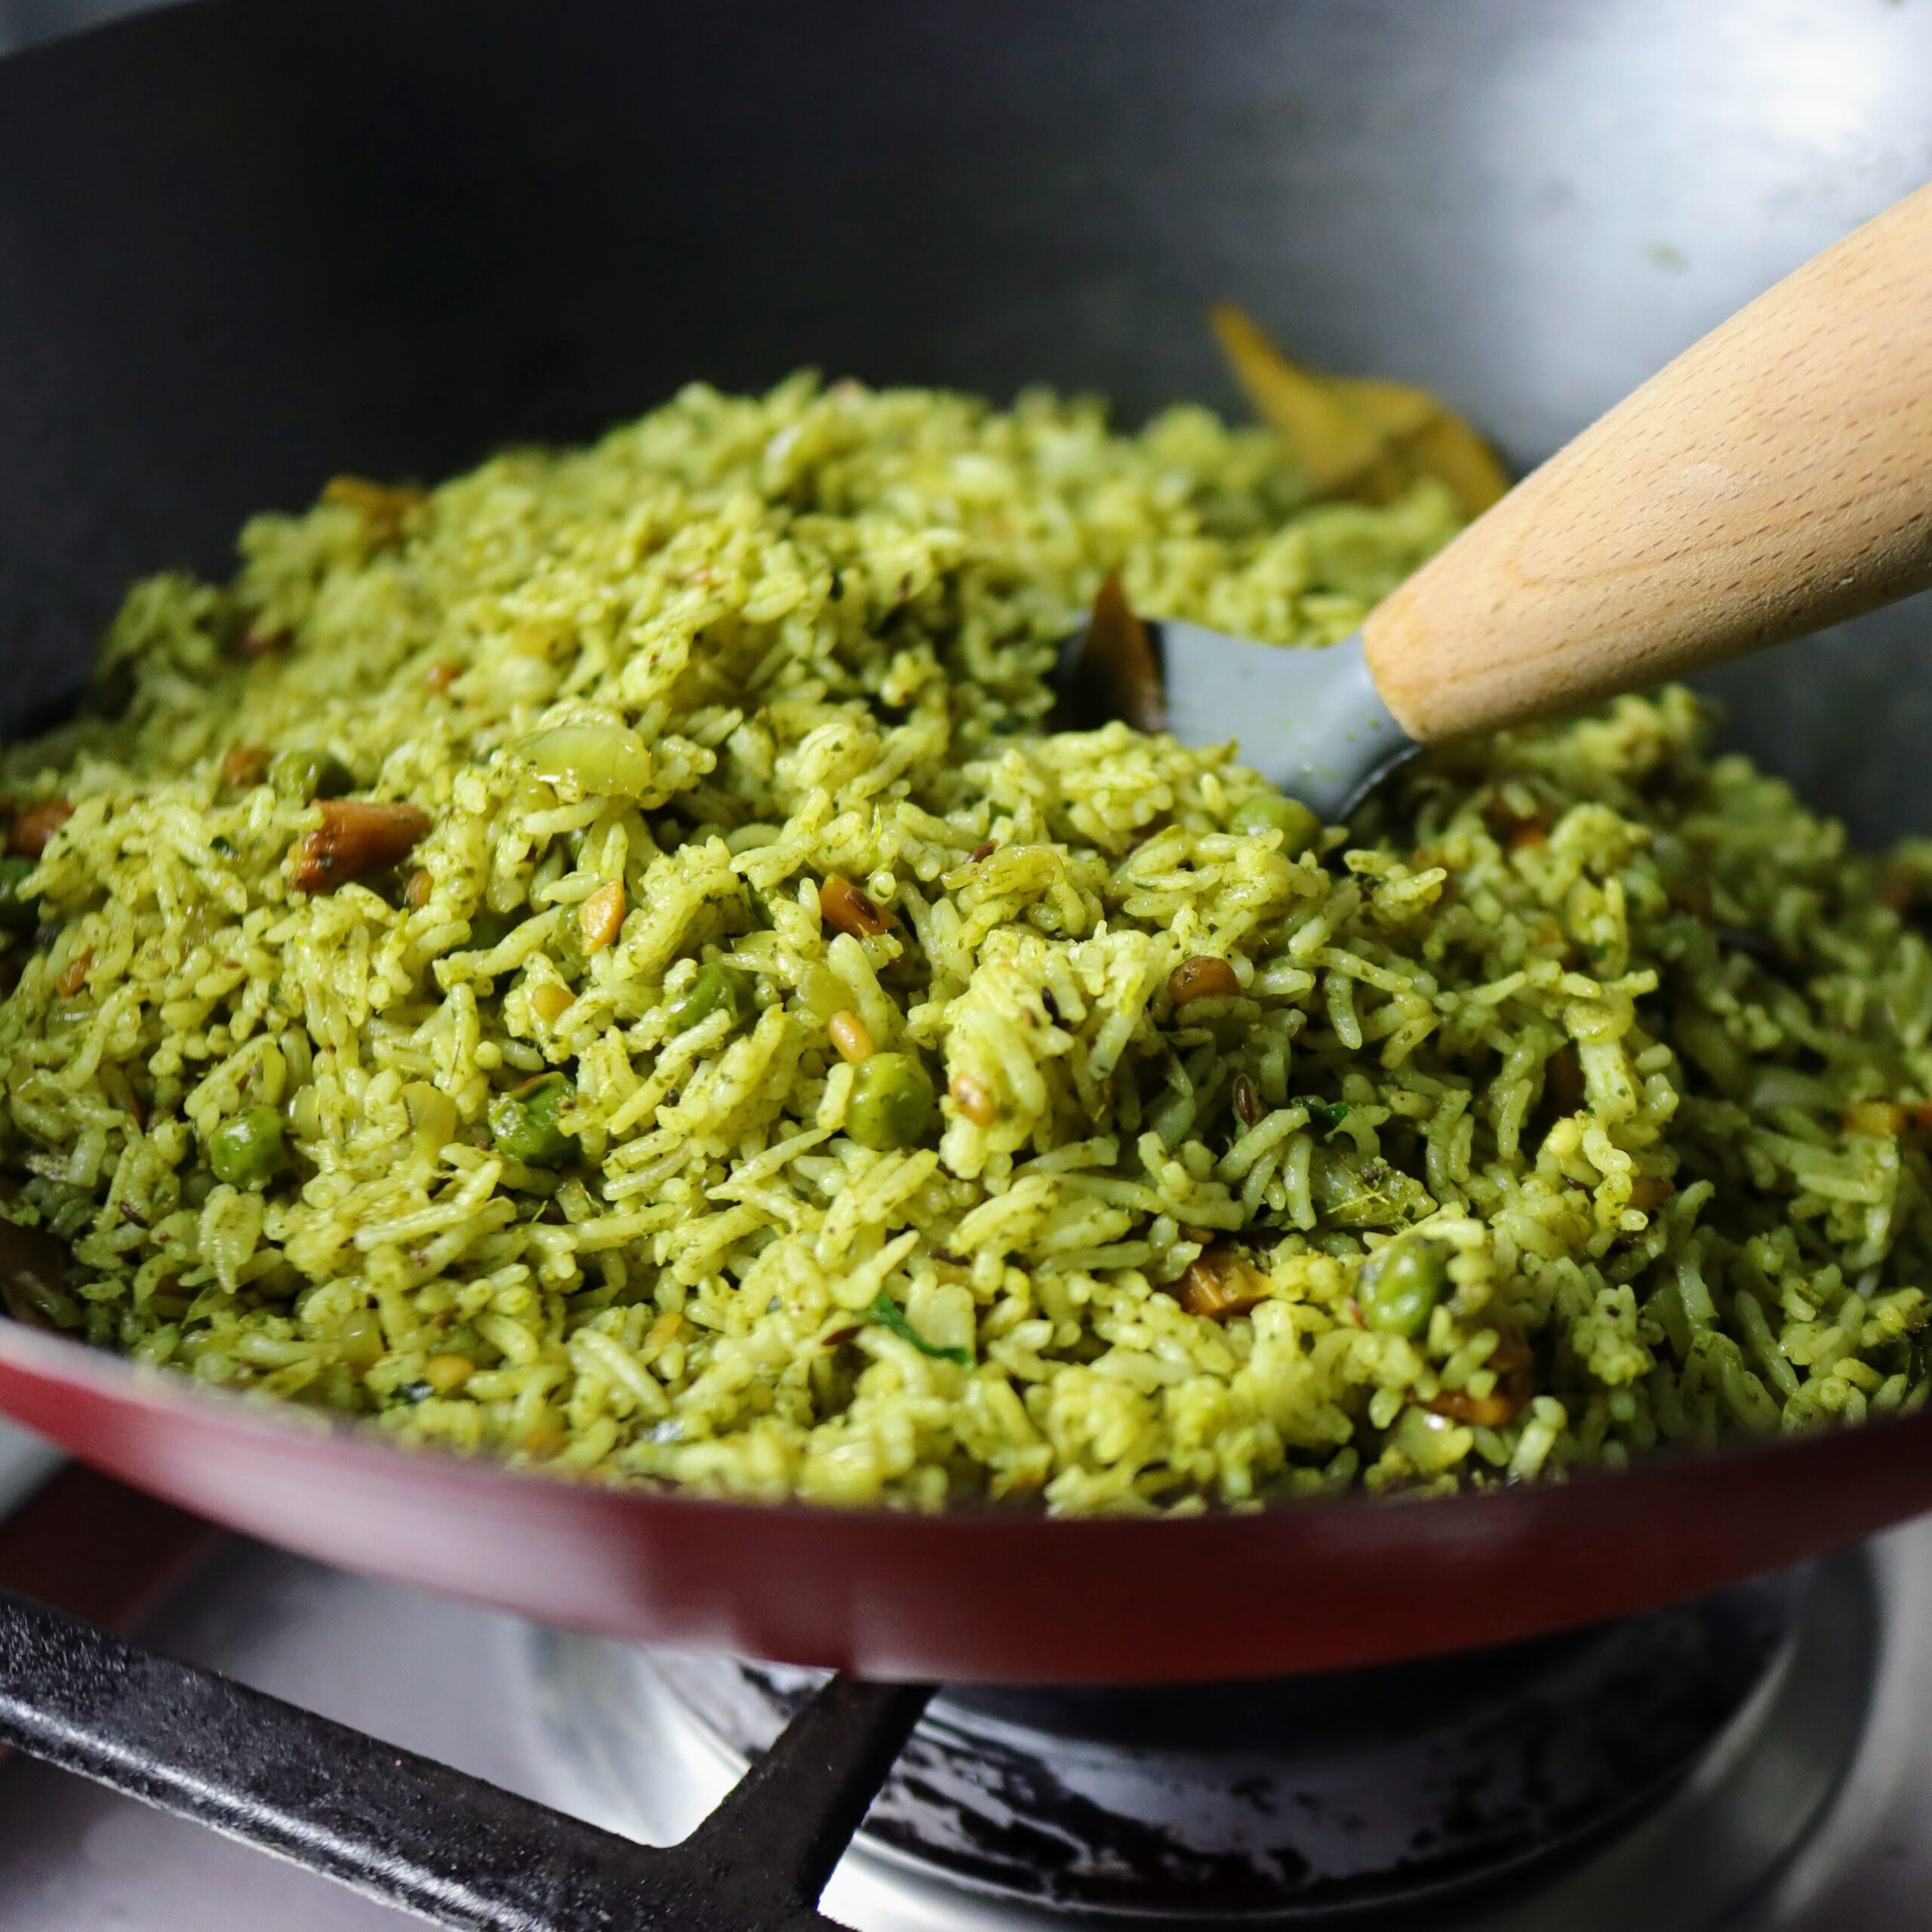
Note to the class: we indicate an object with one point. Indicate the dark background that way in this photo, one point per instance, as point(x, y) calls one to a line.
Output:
point(244, 245)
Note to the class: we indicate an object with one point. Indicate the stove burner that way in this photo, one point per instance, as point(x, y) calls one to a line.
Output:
point(1331, 1800)
point(1286, 1803)
point(1356, 1792)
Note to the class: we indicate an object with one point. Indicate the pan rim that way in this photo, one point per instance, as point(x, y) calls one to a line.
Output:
point(167, 1393)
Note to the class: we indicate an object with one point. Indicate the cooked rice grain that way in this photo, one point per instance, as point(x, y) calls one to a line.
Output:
point(1571, 1103)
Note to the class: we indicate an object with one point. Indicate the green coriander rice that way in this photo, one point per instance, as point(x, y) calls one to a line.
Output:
point(602, 964)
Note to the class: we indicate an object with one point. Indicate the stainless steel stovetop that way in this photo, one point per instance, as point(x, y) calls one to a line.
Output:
point(473, 1689)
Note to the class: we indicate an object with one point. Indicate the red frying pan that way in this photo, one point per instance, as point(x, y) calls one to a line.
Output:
point(242, 248)
point(984, 1594)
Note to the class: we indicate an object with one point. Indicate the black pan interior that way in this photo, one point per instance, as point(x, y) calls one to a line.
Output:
point(244, 244)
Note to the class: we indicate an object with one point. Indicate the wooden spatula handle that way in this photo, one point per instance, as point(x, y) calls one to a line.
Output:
point(1774, 478)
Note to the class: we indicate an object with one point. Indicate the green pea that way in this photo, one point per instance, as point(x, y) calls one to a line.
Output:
point(893, 1105)
point(300, 776)
point(1401, 1285)
point(246, 1149)
point(715, 986)
point(525, 1126)
point(16, 915)
point(358, 1340)
point(1272, 811)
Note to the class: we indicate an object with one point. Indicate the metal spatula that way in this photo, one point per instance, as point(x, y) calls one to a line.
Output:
point(1775, 479)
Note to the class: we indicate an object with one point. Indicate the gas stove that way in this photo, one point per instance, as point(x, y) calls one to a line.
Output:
point(1761, 1759)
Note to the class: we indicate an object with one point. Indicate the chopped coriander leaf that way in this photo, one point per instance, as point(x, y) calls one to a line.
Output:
point(887, 1312)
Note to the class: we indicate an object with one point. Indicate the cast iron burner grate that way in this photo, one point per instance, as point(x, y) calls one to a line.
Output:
point(1291, 1801)
point(454, 1849)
